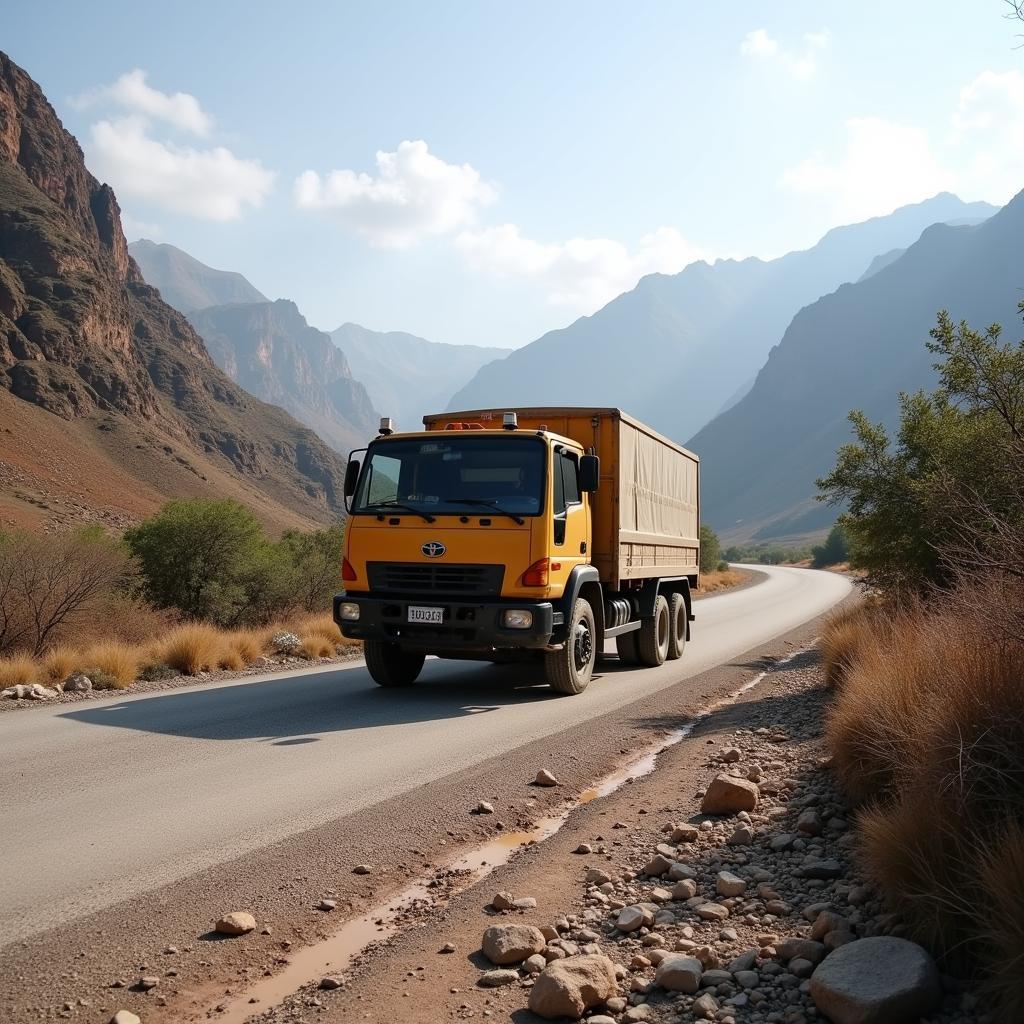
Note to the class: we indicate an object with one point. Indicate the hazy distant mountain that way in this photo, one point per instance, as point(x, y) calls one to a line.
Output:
point(185, 283)
point(883, 260)
point(855, 348)
point(676, 348)
point(270, 350)
point(408, 376)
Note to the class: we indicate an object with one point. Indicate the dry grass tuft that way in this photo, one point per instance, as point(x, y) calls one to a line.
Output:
point(843, 634)
point(318, 647)
point(248, 644)
point(192, 648)
point(60, 662)
point(318, 625)
point(711, 582)
point(1002, 933)
point(19, 670)
point(118, 663)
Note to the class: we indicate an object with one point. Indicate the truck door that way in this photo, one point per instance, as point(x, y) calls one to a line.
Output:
point(571, 522)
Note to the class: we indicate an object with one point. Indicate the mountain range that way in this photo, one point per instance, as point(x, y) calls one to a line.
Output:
point(109, 400)
point(854, 348)
point(675, 350)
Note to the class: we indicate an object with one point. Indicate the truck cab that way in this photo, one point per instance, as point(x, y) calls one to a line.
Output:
point(475, 539)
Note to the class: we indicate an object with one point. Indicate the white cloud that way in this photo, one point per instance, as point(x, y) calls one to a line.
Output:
point(801, 62)
point(133, 93)
point(582, 273)
point(212, 184)
point(414, 195)
point(884, 165)
point(988, 134)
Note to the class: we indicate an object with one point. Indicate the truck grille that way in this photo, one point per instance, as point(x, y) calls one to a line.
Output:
point(452, 580)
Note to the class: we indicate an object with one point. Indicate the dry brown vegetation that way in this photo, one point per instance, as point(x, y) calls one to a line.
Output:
point(926, 732)
point(17, 670)
point(720, 579)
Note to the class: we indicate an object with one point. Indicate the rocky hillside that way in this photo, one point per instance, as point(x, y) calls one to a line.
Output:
point(185, 283)
point(270, 350)
point(853, 349)
point(117, 372)
point(675, 349)
point(408, 376)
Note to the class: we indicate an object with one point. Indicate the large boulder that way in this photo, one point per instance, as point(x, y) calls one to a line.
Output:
point(679, 974)
point(512, 943)
point(729, 795)
point(879, 980)
point(568, 988)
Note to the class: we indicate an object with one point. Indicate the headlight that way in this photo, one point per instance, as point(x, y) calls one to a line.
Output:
point(517, 618)
point(348, 610)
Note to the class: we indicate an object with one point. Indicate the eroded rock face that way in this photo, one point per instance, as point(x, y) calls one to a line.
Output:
point(568, 988)
point(878, 980)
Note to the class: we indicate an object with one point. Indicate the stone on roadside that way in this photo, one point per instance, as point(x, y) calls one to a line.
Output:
point(236, 923)
point(801, 949)
point(630, 919)
point(125, 1017)
point(503, 901)
point(730, 755)
point(498, 978)
point(505, 944)
point(330, 982)
point(705, 1007)
point(728, 884)
point(568, 988)
point(483, 807)
point(326, 905)
point(148, 981)
point(743, 836)
point(729, 795)
point(545, 778)
point(77, 682)
point(685, 833)
point(685, 889)
point(878, 980)
point(679, 974)
point(534, 964)
point(362, 869)
point(712, 912)
point(448, 947)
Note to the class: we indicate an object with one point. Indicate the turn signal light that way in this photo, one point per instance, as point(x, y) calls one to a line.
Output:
point(538, 575)
point(347, 572)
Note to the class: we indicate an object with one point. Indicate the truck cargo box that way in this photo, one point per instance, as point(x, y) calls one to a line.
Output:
point(646, 513)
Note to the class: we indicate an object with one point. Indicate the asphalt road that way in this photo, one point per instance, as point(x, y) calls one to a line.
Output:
point(109, 799)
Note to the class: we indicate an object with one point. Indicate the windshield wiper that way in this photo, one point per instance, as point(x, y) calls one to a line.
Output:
point(484, 503)
point(374, 506)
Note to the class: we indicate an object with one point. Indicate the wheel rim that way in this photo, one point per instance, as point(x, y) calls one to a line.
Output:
point(583, 646)
point(663, 622)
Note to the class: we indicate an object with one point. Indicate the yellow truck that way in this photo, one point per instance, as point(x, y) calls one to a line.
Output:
point(533, 533)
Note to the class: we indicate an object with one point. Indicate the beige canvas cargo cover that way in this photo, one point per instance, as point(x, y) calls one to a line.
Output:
point(646, 513)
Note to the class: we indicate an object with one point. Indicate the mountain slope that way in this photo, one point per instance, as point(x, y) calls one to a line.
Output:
point(855, 348)
point(270, 350)
point(408, 376)
point(185, 283)
point(103, 359)
point(675, 349)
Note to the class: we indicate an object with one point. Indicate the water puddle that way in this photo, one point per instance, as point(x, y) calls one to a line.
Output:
point(334, 955)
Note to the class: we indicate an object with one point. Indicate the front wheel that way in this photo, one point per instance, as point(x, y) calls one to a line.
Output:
point(569, 670)
point(389, 665)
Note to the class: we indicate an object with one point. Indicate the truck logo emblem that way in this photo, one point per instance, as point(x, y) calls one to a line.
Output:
point(433, 549)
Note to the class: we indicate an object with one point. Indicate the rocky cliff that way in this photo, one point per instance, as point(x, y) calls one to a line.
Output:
point(84, 338)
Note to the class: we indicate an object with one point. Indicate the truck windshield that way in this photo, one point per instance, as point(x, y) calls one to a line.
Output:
point(450, 475)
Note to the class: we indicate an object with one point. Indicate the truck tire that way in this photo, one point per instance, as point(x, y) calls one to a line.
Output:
point(625, 644)
point(568, 671)
point(653, 639)
point(678, 616)
point(389, 665)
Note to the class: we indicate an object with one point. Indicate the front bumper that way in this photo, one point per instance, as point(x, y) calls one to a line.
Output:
point(466, 625)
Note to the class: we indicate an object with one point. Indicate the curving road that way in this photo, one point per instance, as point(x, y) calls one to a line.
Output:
point(123, 795)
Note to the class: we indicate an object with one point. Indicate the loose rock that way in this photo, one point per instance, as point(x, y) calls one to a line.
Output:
point(235, 923)
point(545, 778)
point(568, 988)
point(679, 974)
point(511, 943)
point(728, 795)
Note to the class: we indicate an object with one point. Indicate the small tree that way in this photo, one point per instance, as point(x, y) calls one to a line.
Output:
point(208, 558)
point(315, 565)
point(49, 584)
point(710, 549)
point(833, 551)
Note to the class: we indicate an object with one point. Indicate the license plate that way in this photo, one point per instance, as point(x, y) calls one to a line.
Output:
point(434, 616)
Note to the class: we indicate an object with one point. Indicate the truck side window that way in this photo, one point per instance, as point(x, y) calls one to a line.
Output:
point(570, 479)
point(567, 491)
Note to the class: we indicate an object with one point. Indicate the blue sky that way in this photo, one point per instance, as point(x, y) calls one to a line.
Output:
point(535, 158)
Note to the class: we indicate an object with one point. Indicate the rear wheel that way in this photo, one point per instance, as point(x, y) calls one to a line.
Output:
point(389, 665)
point(677, 617)
point(625, 644)
point(654, 634)
point(569, 670)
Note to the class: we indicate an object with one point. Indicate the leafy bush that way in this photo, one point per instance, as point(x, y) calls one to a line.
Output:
point(833, 551)
point(285, 643)
point(314, 561)
point(710, 549)
point(948, 488)
point(51, 584)
point(157, 671)
point(766, 554)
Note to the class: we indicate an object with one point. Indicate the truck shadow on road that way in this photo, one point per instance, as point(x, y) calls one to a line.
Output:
point(298, 710)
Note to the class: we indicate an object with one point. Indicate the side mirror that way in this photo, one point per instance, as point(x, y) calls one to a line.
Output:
point(590, 473)
point(351, 477)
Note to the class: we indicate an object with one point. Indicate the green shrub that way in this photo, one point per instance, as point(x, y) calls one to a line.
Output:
point(833, 551)
point(710, 549)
